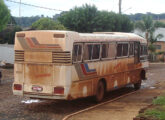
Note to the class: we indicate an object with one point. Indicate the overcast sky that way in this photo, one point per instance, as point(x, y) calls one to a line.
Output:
point(128, 6)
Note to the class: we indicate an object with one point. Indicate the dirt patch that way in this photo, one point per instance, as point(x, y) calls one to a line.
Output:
point(21, 108)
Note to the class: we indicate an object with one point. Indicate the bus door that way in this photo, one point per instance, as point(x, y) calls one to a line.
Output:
point(137, 52)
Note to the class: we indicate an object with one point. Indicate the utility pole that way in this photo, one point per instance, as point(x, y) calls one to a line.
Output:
point(120, 2)
point(20, 9)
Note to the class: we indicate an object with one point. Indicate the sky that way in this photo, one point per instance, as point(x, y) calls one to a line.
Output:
point(128, 6)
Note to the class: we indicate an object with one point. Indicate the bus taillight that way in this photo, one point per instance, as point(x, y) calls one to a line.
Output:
point(58, 90)
point(17, 87)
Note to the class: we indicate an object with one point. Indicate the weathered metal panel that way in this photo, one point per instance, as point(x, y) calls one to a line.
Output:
point(41, 57)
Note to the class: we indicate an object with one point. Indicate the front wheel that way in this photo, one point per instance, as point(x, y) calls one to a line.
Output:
point(137, 85)
point(100, 91)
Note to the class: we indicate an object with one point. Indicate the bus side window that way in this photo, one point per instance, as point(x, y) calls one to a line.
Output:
point(131, 49)
point(122, 49)
point(112, 50)
point(119, 50)
point(88, 52)
point(143, 50)
point(96, 51)
point(77, 52)
point(125, 49)
point(104, 53)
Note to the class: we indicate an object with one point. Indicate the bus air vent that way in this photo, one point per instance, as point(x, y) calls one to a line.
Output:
point(19, 56)
point(61, 57)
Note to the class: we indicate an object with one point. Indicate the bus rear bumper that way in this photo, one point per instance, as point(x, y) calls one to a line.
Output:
point(53, 97)
point(40, 96)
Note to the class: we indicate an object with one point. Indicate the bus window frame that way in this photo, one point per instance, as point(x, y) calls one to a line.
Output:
point(143, 44)
point(92, 43)
point(108, 48)
point(133, 49)
point(143, 56)
point(82, 52)
point(124, 42)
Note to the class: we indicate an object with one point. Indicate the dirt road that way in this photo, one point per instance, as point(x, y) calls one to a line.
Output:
point(18, 108)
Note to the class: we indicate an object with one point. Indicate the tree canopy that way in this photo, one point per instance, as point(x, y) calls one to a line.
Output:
point(4, 15)
point(47, 24)
point(89, 19)
point(8, 34)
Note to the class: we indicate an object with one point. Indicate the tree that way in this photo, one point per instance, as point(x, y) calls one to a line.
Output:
point(8, 34)
point(47, 24)
point(88, 19)
point(148, 26)
point(4, 15)
point(80, 19)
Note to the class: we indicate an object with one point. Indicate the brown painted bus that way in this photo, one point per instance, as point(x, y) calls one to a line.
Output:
point(69, 65)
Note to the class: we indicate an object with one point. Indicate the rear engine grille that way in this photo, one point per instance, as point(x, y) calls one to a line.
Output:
point(19, 56)
point(61, 57)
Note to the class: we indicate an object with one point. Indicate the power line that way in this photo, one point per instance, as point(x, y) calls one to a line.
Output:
point(35, 6)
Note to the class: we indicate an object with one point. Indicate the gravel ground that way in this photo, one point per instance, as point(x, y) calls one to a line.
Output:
point(22, 108)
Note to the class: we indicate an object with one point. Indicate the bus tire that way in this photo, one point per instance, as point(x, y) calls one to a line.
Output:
point(137, 86)
point(100, 91)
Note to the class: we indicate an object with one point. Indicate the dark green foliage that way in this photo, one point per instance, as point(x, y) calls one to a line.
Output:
point(8, 34)
point(159, 24)
point(4, 15)
point(26, 21)
point(88, 19)
point(47, 24)
point(138, 16)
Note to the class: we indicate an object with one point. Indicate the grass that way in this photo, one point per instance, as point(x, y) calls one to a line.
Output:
point(159, 100)
point(157, 112)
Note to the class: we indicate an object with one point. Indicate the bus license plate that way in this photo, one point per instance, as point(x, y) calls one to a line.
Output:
point(37, 88)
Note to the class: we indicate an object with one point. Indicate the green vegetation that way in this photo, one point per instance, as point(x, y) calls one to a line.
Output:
point(138, 16)
point(88, 19)
point(157, 112)
point(159, 101)
point(47, 24)
point(4, 15)
point(8, 34)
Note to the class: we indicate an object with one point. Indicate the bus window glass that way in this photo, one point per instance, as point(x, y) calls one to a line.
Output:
point(112, 50)
point(145, 50)
point(96, 51)
point(88, 52)
point(119, 50)
point(131, 49)
point(79, 54)
point(125, 49)
point(75, 49)
point(105, 50)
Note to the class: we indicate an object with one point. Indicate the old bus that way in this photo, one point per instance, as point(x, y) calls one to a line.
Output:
point(69, 65)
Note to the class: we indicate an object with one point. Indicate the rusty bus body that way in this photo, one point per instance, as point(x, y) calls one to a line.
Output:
point(69, 65)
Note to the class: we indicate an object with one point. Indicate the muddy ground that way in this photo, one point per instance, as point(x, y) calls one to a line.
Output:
point(19, 108)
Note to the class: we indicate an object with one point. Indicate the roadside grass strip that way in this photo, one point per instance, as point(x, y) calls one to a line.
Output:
point(156, 112)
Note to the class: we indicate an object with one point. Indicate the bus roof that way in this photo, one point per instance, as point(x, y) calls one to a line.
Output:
point(94, 37)
point(110, 36)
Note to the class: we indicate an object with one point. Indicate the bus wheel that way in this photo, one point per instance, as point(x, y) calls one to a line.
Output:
point(137, 85)
point(100, 91)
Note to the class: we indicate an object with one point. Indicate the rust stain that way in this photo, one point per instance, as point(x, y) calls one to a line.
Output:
point(117, 66)
point(43, 75)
